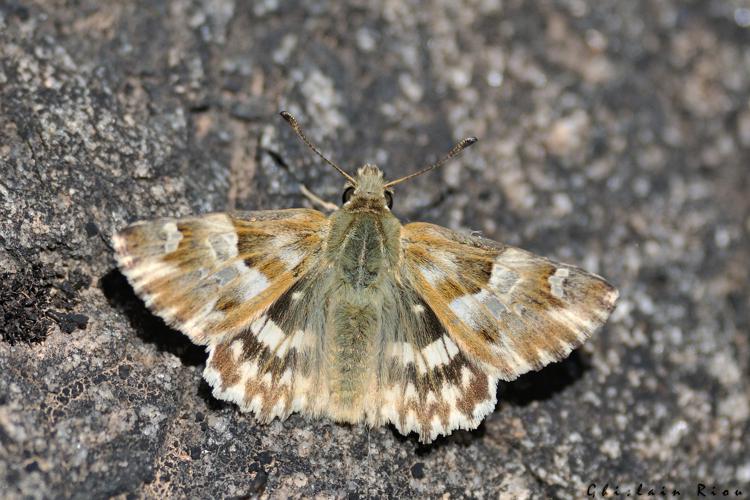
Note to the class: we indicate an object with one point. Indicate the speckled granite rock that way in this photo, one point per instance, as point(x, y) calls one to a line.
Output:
point(615, 135)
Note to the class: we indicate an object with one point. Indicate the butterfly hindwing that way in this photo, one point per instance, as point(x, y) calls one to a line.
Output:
point(427, 384)
point(507, 310)
point(212, 276)
point(273, 367)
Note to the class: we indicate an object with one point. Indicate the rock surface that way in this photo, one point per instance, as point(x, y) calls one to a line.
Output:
point(614, 135)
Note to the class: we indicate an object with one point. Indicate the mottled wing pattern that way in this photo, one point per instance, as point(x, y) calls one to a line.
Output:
point(273, 367)
point(240, 284)
point(427, 385)
point(508, 310)
point(212, 276)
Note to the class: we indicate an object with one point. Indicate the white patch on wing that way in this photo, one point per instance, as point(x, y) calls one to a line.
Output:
point(256, 325)
point(286, 378)
point(432, 274)
point(410, 392)
point(253, 283)
point(430, 398)
point(285, 249)
point(172, 237)
point(464, 308)
point(271, 335)
point(494, 306)
point(223, 245)
point(302, 387)
point(440, 352)
point(290, 257)
point(557, 281)
point(468, 307)
point(503, 279)
point(403, 351)
point(299, 340)
point(249, 370)
point(237, 347)
point(391, 400)
point(466, 376)
point(407, 352)
point(441, 265)
point(450, 346)
point(227, 274)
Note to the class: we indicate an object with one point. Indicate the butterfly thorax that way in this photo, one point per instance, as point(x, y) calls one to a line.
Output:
point(364, 238)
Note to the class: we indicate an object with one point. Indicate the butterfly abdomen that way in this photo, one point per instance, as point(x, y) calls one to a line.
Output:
point(352, 333)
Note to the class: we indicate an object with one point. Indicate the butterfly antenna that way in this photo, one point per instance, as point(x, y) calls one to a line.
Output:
point(460, 146)
point(298, 130)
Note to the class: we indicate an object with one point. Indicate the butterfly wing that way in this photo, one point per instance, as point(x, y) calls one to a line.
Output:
point(211, 276)
point(274, 367)
point(507, 308)
point(427, 384)
point(225, 280)
point(486, 312)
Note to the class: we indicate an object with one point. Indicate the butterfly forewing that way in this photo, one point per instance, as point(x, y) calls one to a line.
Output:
point(212, 276)
point(508, 310)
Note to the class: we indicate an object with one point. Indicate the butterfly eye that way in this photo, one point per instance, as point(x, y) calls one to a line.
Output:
point(348, 192)
point(389, 199)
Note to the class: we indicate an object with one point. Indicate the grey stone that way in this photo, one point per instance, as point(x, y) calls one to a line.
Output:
point(614, 135)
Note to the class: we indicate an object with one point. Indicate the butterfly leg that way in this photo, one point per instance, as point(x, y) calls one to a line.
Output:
point(326, 206)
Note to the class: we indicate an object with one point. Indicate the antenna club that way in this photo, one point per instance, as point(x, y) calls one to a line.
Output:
point(460, 146)
point(298, 130)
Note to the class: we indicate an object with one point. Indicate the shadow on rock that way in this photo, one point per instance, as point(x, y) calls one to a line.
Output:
point(205, 392)
point(461, 437)
point(148, 327)
point(544, 384)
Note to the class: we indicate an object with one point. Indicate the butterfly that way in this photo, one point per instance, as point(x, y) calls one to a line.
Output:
point(354, 316)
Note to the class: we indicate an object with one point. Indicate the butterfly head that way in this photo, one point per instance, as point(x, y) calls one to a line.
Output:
point(369, 189)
